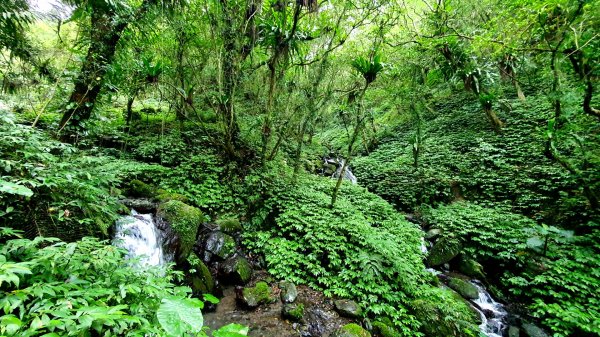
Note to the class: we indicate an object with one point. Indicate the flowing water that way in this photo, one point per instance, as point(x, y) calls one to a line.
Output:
point(348, 175)
point(493, 314)
point(138, 234)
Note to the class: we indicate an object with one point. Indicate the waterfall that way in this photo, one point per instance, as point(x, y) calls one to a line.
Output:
point(138, 234)
point(348, 175)
point(492, 313)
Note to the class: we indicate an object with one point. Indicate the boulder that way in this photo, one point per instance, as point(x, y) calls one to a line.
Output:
point(513, 331)
point(236, 270)
point(532, 330)
point(184, 220)
point(434, 319)
point(351, 330)
point(229, 225)
point(348, 308)
point(141, 205)
point(433, 233)
point(288, 291)
point(139, 189)
point(201, 280)
point(444, 250)
point(464, 288)
point(293, 311)
point(254, 296)
point(218, 246)
point(164, 196)
point(385, 328)
point(470, 267)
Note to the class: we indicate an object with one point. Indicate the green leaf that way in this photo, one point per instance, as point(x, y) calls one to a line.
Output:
point(12, 188)
point(232, 330)
point(178, 316)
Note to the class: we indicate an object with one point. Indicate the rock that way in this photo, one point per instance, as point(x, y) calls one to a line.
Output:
point(201, 279)
point(435, 322)
point(351, 330)
point(236, 270)
point(185, 221)
point(433, 233)
point(229, 225)
point(347, 308)
point(464, 288)
point(255, 296)
point(384, 327)
point(319, 322)
point(141, 205)
point(470, 267)
point(139, 189)
point(288, 291)
point(164, 196)
point(218, 246)
point(444, 250)
point(513, 331)
point(293, 311)
point(532, 330)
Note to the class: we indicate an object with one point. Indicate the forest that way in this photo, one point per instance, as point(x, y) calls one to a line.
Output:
point(300, 168)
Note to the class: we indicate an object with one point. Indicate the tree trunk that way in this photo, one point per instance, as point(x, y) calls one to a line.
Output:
point(105, 34)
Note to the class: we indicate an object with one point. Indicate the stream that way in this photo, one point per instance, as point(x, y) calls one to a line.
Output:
point(138, 234)
point(493, 314)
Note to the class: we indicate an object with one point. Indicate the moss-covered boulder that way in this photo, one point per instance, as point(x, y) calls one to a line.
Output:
point(351, 330)
point(229, 225)
point(288, 292)
point(139, 189)
point(254, 296)
point(470, 267)
point(201, 280)
point(164, 196)
point(348, 308)
point(385, 328)
point(531, 330)
point(236, 270)
point(464, 288)
point(444, 250)
point(443, 314)
point(293, 311)
point(185, 221)
point(218, 247)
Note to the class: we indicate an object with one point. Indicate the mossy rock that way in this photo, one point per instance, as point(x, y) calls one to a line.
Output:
point(219, 246)
point(201, 279)
point(464, 288)
point(236, 270)
point(351, 330)
point(348, 308)
point(164, 196)
point(444, 250)
point(434, 320)
point(293, 311)
point(229, 225)
point(255, 296)
point(184, 220)
point(140, 189)
point(385, 328)
point(470, 267)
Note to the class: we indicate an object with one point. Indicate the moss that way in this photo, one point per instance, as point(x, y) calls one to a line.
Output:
point(351, 330)
point(385, 328)
point(444, 250)
point(464, 288)
point(229, 225)
point(164, 196)
point(470, 267)
point(184, 220)
point(441, 314)
point(257, 295)
point(201, 279)
point(293, 312)
point(139, 189)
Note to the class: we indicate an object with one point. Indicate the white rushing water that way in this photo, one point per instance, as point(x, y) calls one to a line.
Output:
point(493, 325)
point(138, 234)
point(348, 175)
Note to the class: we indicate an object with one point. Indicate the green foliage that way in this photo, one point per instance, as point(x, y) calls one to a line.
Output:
point(486, 234)
point(368, 68)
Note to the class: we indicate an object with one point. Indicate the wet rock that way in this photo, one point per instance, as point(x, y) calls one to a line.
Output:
point(164, 196)
point(293, 311)
point(464, 288)
point(184, 220)
point(218, 246)
point(470, 267)
point(141, 205)
point(254, 296)
point(513, 331)
point(384, 327)
point(319, 322)
point(532, 330)
point(229, 225)
point(348, 308)
point(288, 292)
point(444, 250)
point(236, 270)
point(201, 280)
point(351, 330)
point(433, 233)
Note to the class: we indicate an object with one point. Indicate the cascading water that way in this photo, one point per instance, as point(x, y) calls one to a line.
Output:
point(138, 234)
point(493, 314)
point(348, 175)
